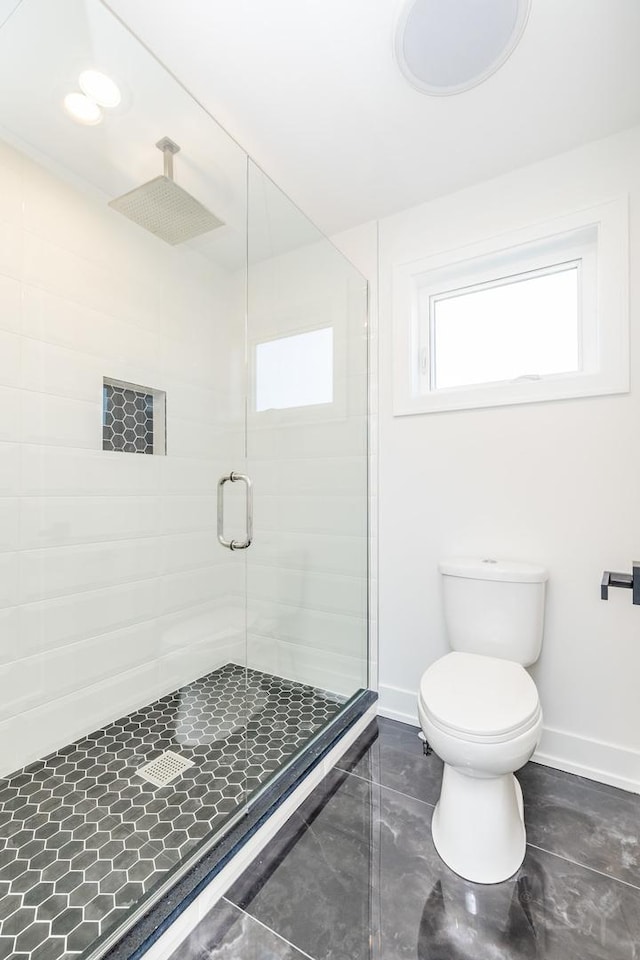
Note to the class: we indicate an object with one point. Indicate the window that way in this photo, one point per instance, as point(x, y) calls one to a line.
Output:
point(294, 371)
point(513, 328)
point(539, 318)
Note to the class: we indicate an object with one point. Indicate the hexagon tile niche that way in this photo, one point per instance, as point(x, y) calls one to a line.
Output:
point(133, 418)
point(83, 838)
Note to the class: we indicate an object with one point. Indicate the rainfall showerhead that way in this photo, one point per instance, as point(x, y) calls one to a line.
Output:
point(164, 208)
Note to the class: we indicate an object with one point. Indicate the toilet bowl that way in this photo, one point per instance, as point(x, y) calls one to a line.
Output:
point(480, 712)
point(482, 717)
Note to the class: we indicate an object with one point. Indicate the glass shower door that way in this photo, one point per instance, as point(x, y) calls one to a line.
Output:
point(307, 453)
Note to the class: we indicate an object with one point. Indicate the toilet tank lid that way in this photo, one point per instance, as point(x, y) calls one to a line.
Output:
point(509, 571)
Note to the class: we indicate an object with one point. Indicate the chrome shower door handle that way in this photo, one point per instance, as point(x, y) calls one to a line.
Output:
point(233, 477)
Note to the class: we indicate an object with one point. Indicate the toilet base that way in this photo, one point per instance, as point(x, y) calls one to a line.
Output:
point(478, 825)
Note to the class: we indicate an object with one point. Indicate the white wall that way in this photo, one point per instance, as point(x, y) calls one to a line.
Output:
point(553, 482)
point(113, 589)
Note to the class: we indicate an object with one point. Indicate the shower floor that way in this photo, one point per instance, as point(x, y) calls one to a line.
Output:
point(83, 839)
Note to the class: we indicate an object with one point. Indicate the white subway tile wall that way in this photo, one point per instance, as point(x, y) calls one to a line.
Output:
point(113, 588)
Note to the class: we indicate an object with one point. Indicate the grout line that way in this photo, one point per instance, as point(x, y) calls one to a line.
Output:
point(214, 604)
point(164, 574)
point(356, 458)
point(385, 786)
point(189, 531)
point(584, 866)
point(265, 926)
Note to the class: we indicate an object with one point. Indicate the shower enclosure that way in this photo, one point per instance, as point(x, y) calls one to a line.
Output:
point(183, 485)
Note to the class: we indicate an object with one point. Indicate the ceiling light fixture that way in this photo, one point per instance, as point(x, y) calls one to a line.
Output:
point(82, 109)
point(100, 88)
point(448, 46)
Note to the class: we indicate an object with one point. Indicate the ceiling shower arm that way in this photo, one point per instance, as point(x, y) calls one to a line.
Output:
point(168, 147)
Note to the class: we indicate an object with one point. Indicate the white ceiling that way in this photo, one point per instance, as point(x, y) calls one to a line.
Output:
point(310, 89)
point(41, 55)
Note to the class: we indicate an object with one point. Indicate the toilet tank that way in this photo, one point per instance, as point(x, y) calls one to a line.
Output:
point(494, 607)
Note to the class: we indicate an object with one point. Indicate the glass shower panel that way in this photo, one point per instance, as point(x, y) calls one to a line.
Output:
point(155, 674)
point(307, 445)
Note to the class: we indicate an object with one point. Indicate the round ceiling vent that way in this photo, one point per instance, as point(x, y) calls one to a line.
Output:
point(447, 46)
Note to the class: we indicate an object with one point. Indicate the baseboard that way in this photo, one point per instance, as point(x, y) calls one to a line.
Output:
point(593, 759)
point(398, 704)
point(180, 929)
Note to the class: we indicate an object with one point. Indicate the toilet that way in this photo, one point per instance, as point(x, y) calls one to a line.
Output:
point(480, 712)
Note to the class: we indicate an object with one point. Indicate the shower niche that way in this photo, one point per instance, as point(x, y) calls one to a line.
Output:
point(133, 418)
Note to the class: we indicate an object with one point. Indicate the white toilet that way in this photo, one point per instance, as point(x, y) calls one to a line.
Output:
point(480, 712)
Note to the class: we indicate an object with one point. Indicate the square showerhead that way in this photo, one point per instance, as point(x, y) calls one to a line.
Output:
point(166, 210)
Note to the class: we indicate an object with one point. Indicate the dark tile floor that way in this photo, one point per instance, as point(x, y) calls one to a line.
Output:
point(83, 839)
point(354, 873)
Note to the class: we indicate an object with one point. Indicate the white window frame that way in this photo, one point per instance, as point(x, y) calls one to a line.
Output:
point(596, 239)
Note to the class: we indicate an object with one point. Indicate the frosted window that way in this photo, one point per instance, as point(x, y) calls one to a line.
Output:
point(524, 326)
point(295, 371)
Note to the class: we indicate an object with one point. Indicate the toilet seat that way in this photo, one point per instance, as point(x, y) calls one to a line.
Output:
point(478, 698)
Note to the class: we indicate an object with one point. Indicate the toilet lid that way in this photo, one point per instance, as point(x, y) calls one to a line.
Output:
point(479, 696)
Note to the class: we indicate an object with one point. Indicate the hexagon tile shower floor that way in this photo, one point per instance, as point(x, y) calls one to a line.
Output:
point(83, 837)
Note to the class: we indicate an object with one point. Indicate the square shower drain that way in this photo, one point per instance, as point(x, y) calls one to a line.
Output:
point(165, 768)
